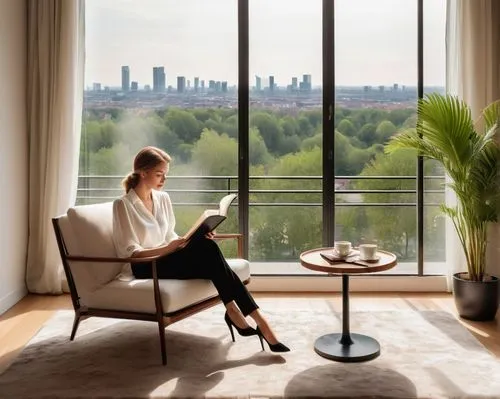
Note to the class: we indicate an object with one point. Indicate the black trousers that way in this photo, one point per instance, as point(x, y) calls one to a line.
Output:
point(201, 258)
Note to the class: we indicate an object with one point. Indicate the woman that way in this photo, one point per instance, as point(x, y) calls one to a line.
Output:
point(143, 225)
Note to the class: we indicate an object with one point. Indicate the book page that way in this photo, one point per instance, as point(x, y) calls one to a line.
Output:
point(199, 222)
point(211, 218)
point(225, 203)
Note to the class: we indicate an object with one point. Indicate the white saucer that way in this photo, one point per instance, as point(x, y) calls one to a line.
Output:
point(373, 260)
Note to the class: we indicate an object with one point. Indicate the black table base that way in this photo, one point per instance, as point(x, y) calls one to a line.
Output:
point(360, 349)
point(347, 347)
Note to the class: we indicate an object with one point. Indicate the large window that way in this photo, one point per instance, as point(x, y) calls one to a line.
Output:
point(165, 73)
point(285, 132)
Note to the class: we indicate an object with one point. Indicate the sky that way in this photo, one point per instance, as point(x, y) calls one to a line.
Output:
point(375, 41)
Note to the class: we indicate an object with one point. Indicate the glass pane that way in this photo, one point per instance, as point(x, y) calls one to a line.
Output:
point(149, 81)
point(434, 81)
point(376, 95)
point(285, 132)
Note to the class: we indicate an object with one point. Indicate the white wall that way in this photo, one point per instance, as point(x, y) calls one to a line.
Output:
point(13, 152)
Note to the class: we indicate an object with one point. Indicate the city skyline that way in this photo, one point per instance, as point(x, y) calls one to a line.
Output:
point(160, 81)
point(259, 82)
point(375, 43)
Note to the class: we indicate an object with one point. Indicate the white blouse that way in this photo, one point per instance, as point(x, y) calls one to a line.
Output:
point(136, 228)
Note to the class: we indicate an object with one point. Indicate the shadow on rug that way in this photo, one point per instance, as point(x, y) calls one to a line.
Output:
point(424, 354)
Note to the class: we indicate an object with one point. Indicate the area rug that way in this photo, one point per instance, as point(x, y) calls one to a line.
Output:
point(424, 354)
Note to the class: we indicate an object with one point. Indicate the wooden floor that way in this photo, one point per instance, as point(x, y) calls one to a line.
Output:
point(20, 323)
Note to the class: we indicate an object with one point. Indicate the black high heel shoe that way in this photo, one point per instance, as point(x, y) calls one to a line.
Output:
point(244, 332)
point(278, 347)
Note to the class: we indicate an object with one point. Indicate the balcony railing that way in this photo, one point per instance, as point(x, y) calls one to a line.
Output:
point(94, 189)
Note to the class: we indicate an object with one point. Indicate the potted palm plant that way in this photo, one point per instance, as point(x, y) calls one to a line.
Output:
point(470, 157)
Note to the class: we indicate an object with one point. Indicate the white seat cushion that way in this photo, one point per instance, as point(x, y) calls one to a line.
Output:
point(138, 295)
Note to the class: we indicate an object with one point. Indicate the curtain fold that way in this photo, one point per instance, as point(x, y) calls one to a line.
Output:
point(472, 73)
point(54, 110)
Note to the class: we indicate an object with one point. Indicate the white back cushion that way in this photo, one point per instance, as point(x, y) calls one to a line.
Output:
point(88, 230)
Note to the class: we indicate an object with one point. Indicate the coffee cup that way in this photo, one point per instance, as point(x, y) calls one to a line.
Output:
point(368, 252)
point(343, 248)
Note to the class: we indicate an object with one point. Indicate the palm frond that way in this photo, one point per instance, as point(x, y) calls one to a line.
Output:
point(491, 115)
point(470, 156)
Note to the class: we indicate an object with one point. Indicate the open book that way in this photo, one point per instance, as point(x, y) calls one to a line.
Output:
point(210, 218)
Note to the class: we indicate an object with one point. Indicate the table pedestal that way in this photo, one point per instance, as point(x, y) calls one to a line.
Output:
point(347, 347)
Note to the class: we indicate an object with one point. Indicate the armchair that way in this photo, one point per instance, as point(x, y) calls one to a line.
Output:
point(90, 262)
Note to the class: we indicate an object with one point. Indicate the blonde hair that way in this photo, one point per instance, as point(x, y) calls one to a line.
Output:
point(146, 159)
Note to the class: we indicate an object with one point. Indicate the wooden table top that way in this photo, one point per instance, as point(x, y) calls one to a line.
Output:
point(312, 260)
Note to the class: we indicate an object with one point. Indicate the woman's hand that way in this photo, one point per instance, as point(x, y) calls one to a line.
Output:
point(176, 244)
point(162, 250)
point(210, 235)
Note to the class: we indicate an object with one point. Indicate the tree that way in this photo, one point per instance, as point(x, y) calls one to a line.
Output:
point(109, 133)
point(91, 138)
point(115, 160)
point(349, 161)
point(340, 115)
point(231, 126)
point(347, 128)
point(270, 130)
point(398, 116)
point(290, 126)
point(305, 127)
point(367, 134)
point(257, 148)
point(215, 154)
point(311, 142)
point(385, 130)
point(362, 117)
point(183, 124)
point(315, 117)
point(202, 114)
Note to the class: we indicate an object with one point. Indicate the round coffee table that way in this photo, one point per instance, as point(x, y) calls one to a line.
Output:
point(346, 347)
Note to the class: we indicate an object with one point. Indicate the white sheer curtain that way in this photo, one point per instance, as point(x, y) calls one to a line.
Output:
point(54, 109)
point(472, 73)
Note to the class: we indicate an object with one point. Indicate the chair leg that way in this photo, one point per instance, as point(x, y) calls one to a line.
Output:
point(76, 322)
point(161, 328)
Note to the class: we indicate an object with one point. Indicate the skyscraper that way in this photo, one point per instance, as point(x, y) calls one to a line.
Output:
point(125, 78)
point(159, 79)
point(307, 84)
point(134, 86)
point(181, 84)
point(271, 83)
point(258, 83)
point(224, 86)
point(295, 84)
point(196, 84)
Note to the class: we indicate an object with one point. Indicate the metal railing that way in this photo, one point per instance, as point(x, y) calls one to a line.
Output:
point(93, 189)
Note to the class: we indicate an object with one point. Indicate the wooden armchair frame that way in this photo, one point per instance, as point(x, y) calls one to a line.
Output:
point(163, 319)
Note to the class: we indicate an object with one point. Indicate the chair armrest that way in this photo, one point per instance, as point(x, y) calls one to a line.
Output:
point(78, 258)
point(238, 236)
